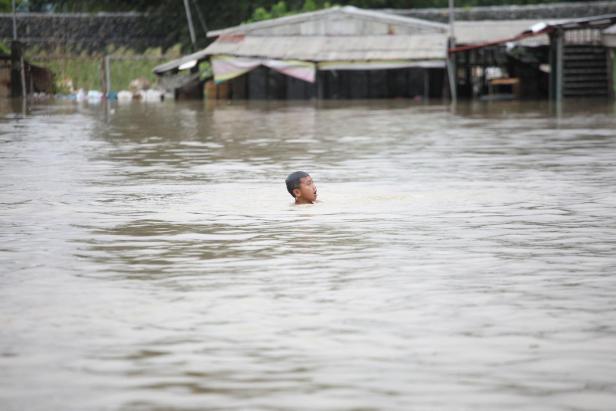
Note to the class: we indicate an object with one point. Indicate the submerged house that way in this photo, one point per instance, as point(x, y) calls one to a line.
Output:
point(341, 52)
point(494, 61)
point(19, 77)
point(556, 59)
point(609, 41)
point(347, 53)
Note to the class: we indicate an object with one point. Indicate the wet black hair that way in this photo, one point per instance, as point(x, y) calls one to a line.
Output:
point(293, 181)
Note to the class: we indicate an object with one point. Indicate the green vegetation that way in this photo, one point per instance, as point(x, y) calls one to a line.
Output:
point(20, 5)
point(86, 71)
point(280, 9)
point(4, 48)
point(210, 6)
point(212, 15)
point(231, 12)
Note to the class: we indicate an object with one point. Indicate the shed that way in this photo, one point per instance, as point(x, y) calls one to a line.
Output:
point(573, 52)
point(609, 36)
point(15, 82)
point(609, 41)
point(341, 52)
point(491, 52)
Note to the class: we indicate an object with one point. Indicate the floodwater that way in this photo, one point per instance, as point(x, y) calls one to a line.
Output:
point(459, 259)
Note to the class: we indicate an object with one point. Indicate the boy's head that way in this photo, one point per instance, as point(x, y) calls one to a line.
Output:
point(301, 187)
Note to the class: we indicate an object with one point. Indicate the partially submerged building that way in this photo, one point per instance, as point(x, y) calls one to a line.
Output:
point(19, 77)
point(348, 53)
point(609, 41)
point(341, 52)
point(493, 61)
point(555, 59)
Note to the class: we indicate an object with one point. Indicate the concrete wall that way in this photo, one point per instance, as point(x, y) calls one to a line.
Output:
point(539, 11)
point(94, 32)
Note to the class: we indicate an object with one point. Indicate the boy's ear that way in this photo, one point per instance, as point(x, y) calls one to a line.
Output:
point(296, 192)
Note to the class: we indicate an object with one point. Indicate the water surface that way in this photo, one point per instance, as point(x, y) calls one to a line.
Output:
point(459, 259)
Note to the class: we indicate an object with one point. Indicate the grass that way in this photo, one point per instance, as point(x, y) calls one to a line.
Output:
point(86, 70)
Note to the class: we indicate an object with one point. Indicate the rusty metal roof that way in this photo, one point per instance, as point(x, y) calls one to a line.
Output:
point(535, 34)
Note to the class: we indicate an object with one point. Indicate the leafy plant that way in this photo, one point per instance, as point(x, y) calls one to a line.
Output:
point(280, 9)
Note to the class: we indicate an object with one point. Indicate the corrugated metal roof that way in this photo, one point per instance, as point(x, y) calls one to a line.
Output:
point(608, 36)
point(347, 11)
point(610, 30)
point(174, 64)
point(474, 32)
point(421, 46)
point(597, 22)
point(327, 48)
point(534, 32)
point(324, 48)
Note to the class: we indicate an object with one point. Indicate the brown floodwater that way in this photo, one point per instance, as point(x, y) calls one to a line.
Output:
point(460, 258)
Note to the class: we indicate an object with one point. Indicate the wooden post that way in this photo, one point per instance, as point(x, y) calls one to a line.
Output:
point(426, 85)
point(31, 82)
point(15, 69)
point(612, 71)
point(451, 19)
point(101, 76)
point(560, 64)
point(200, 16)
point(191, 29)
point(451, 57)
point(14, 21)
point(552, 63)
point(451, 71)
point(22, 65)
point(17, 57)
point(22, 70)
point(107, 75)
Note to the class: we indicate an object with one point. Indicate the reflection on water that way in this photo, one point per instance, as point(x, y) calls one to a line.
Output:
point(150, 257)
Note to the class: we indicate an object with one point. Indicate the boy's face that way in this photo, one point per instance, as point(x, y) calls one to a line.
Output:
point(307, 191)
